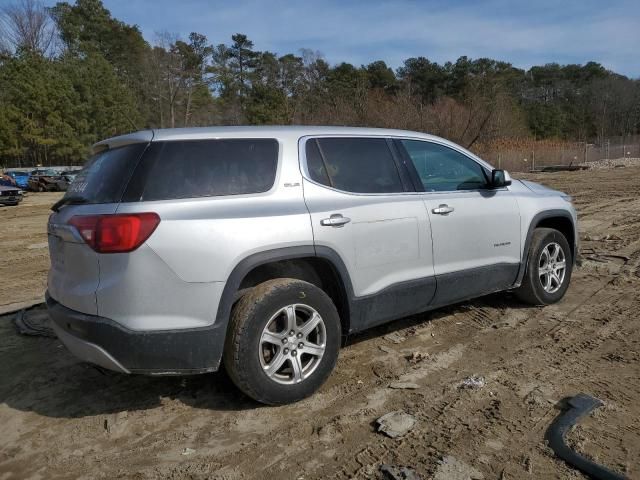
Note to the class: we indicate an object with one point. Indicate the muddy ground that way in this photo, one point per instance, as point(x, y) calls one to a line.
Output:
point(63, 419)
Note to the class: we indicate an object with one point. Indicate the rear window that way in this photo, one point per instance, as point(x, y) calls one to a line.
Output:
point(105, 175)
point(204, 168)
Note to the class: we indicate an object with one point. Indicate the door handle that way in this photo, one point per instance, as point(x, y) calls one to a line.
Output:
point(443, 209)
point(335, 220)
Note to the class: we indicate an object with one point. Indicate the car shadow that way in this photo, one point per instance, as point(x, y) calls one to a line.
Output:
point(500, 301)
point(39, 375)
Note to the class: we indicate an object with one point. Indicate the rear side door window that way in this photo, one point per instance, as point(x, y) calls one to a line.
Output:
point(356, 165)
point(443, 169)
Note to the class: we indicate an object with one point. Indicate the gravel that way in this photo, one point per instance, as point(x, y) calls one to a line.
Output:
point(612, 163)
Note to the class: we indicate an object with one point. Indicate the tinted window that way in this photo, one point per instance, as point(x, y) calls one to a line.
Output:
point(105, 175)
point(441, 168)
point(204, 168)
point(315, 164)
point(360, 165)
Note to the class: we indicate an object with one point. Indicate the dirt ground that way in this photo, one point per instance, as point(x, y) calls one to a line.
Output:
point(24, 252)
point(63, 419)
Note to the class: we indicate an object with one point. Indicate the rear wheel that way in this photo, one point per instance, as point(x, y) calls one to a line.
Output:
point(283, 341)
point(548, 270)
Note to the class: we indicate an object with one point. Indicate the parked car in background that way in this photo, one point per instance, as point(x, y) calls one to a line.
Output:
point(20, 178)
point(7, 180)
point(47, 180)
point(10, 195)
point(263, 246)
point(69, 175)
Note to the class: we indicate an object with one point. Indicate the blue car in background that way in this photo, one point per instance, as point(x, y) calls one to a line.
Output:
point(21, 178)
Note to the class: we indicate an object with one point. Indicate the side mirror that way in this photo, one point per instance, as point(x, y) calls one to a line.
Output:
point(500, 178)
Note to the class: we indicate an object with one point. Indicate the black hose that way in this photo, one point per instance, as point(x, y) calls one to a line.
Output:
point(580, 405)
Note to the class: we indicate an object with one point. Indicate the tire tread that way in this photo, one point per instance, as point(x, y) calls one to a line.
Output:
point(528, 291)
point(242, 320)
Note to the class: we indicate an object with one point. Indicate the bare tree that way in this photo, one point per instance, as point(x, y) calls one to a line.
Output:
point(27, 25)
point(169, 65)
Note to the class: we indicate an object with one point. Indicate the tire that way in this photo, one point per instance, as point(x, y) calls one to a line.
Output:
point(539, 285)
point(257, 356)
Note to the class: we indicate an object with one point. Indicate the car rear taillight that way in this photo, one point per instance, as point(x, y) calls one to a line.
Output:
point(117, 233)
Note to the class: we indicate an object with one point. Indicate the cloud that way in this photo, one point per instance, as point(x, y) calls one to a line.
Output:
point(360, 31)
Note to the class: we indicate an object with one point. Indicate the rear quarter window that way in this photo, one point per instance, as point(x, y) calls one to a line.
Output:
point(204, 168)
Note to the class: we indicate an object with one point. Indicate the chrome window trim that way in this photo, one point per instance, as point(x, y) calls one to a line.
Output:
point(302, 161)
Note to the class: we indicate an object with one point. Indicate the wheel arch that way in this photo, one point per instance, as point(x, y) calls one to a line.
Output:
point(560, 220)
point(320, 266)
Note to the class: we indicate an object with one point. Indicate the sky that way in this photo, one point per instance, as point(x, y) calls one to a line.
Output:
point(523, 33)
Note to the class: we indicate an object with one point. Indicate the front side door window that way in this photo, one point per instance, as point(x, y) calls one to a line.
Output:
point(443, 169)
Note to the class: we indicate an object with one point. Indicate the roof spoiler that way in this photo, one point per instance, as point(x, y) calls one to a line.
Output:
point(143, 136)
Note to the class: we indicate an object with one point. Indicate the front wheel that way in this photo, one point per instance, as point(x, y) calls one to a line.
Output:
point(283, 341)
point(548, 269)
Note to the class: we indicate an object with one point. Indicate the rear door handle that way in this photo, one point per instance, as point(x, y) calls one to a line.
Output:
point(443, 209)
point(335, 220)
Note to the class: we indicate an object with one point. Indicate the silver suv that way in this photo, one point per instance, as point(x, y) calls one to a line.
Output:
point(261, 247)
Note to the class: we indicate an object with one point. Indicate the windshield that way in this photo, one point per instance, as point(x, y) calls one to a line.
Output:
point(48, 173)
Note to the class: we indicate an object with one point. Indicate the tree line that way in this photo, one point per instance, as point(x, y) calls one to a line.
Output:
point(72, 74)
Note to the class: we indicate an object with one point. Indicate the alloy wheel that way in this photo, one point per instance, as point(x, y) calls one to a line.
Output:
point(552, 267)
point(292, 344)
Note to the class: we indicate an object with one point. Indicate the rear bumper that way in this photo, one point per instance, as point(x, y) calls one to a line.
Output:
point(103, 342)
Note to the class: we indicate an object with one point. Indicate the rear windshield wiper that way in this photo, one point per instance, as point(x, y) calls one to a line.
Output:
point(72, 200)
